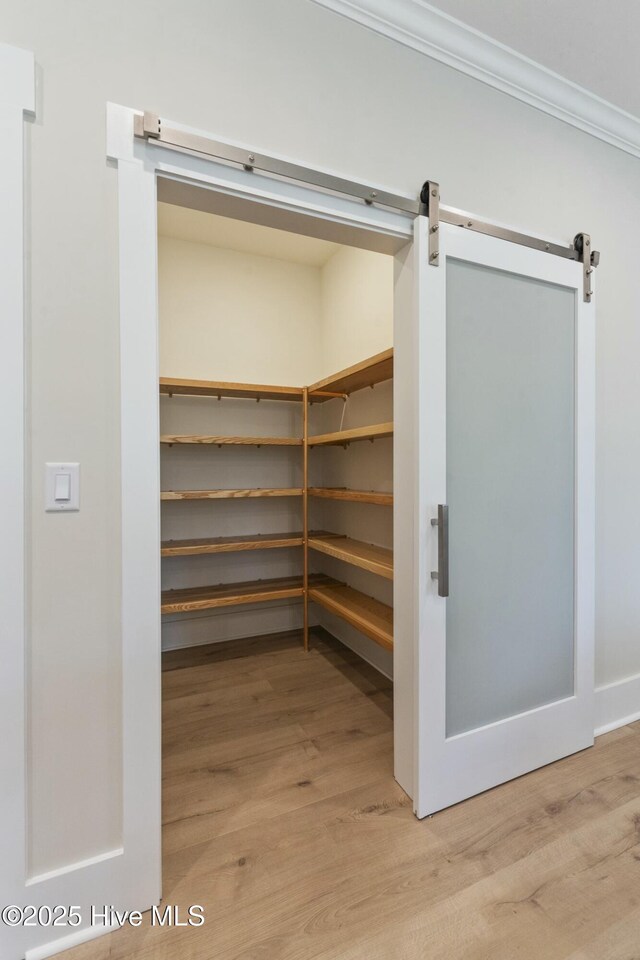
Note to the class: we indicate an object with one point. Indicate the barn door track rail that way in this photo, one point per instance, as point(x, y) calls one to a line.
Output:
point(150, 127)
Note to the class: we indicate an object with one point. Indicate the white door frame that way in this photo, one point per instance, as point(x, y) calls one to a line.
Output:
point(139, 163)
point(17, 98)
point(499, 751)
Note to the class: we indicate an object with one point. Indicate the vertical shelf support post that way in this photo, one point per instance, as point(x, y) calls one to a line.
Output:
point(305, 512)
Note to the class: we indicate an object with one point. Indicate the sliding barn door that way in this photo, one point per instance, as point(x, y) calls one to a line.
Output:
point(505, 501)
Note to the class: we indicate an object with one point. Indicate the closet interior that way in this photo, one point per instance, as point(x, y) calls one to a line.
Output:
point(276, 500)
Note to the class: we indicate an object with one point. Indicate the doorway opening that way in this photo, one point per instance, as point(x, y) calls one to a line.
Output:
point(276, 428)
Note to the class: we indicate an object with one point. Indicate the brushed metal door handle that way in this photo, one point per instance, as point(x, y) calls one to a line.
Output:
point(442, 573)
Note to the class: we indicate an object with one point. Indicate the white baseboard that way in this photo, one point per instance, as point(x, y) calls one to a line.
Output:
point(74, 867)
point(617, 704)
point(66, 943)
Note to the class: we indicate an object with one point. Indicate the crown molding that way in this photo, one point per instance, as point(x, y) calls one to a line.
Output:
point(424, 28)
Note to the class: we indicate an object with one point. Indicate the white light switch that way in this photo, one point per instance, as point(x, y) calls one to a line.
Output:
point(62, 487)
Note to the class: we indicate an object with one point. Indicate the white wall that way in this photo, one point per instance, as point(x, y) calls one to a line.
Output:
point(291, 78)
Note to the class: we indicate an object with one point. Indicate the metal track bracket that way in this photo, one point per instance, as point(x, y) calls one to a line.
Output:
point(151, 126)
point(589, 259)
point(430, 198)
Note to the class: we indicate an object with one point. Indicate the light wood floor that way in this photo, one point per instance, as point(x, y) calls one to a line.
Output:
point(283, 820)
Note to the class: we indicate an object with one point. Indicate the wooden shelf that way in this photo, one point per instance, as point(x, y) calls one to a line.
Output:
point(376, 432)
point(365, 374)
point(170, 386)
point(371, 617)
point(234, 594)
point(257, 541)
point(235, 441)
point(353, 496)
point(365, 555)
point(230, 494)
point(367, 615)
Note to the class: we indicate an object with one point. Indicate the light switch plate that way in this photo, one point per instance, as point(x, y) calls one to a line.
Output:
point(56, 483)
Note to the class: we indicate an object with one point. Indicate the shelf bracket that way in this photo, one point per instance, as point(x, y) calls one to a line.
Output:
point(430, 199)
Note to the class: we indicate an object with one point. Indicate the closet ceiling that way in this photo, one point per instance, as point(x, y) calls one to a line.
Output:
point(594, 44)
point(183, 223)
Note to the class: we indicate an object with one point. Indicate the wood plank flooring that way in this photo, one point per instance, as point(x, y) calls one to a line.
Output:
point(282, 818)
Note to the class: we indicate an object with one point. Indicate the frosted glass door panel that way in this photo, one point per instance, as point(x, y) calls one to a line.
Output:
point(510, 489)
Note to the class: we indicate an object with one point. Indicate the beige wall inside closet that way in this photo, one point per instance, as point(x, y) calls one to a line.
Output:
point(246, 303)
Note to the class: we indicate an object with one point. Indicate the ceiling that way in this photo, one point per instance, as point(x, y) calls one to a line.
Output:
point(589, 42)
point(183, 223)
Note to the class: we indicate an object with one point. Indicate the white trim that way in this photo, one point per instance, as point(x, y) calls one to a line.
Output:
point(17, 97)
point(140, 524)
point(72, 867)
point(410, 308)
point(138, 164)
point(82, 935)
point(104, 879)
point(17, 72)
point(617, 704)
point(430, 31)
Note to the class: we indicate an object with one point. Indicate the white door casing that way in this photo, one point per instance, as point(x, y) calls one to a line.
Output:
point(17, 98)
point(139, 164)
point(450, 769)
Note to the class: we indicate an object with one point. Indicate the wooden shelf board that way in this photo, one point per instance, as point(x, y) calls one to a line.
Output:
point(171, 386)
point(231, 494)
point(256, 541)
point(376, 432)
point(359, 554)
point(353, 496)
point(235, 441)
point(234, 594)
point(369, 616)
point(368, 372)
